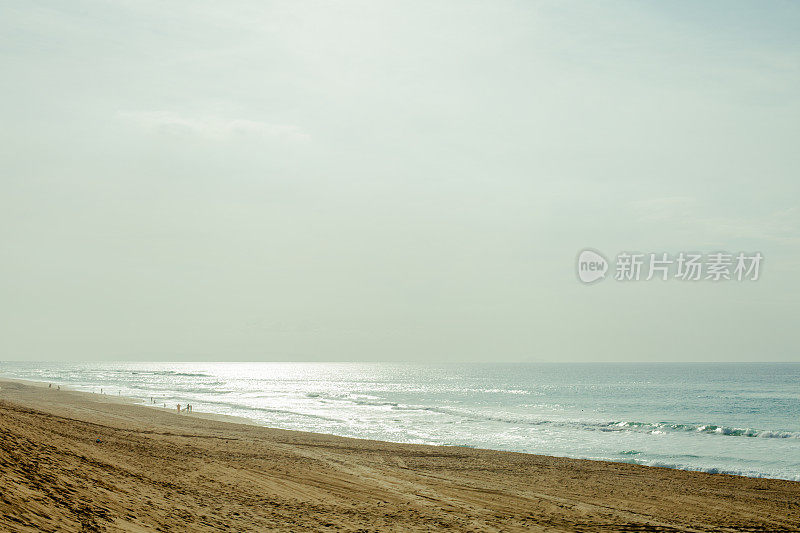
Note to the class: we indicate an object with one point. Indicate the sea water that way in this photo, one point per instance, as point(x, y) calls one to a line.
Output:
point(720, 418)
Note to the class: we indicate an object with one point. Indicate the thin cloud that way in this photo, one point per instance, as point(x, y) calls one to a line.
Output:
point(691, 215)
point(215, 128)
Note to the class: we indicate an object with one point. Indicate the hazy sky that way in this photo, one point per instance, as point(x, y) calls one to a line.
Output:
point(409, 180)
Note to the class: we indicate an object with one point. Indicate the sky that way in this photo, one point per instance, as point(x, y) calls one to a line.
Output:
point(405, 181)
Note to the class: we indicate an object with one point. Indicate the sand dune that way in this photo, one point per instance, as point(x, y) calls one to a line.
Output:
point(157, 470)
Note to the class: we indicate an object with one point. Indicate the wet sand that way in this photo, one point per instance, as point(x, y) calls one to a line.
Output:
point(157, 470)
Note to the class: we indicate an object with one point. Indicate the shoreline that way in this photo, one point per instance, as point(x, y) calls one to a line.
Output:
point(251, 422)
point(129, 400)
point(74, 460)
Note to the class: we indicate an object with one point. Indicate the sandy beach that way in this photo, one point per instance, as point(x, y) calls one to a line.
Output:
point(73, 461)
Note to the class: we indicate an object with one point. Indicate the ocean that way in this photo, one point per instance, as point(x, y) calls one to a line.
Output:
point(720, 418)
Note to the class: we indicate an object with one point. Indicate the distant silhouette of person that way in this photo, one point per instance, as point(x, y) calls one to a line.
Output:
point(179, 408)
point(50, 386)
